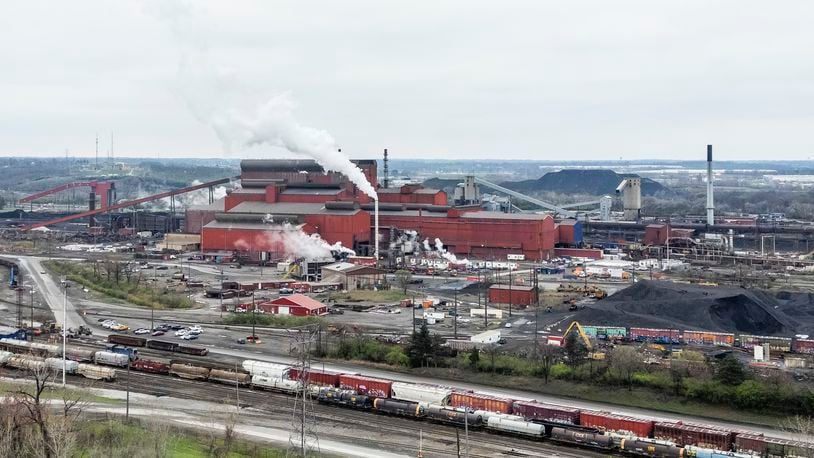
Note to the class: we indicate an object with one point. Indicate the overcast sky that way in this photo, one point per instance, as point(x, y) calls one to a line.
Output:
point(466, 79)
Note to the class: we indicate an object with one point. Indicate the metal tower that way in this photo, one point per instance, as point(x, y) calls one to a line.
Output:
point(303, 440)
point(386, 170)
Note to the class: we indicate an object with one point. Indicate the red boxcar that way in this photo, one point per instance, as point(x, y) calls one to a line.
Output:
point(531, 410)
point(481, 402)
point(366, 385)
point(316, 377)
point(750, 443)
point(606, 421)
point(804, 346)
point(148, 365)
point(698, 435)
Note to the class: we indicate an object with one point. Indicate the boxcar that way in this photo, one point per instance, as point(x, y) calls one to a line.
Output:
point(697, 435)
point(192, 350)
point(151, 366)
point(535, 411)
point(606, 421)
point(379, 388)
point(480, 402)
point(162, 345)
point(316, 377)
point(131, 341)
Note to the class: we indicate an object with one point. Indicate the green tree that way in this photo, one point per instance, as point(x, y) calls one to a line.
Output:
point(574, 348)
point(403, 278)
point(422, 347)
point(474, 358)
point(627, 361)
point(730, 371)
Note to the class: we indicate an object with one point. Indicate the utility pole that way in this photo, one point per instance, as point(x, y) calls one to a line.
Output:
point(65, 331)
point(485, 303)
point(127, 408)
point(413, 306)
point(32, 307)
point(455, 320)
point(510, 291)
point(221, 293)
point(303, 440)
point(254, 314)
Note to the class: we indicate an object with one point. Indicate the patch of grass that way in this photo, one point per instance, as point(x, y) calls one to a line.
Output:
point(57, 393)
point(107, 278)
point(278, 321)
point(387, 295)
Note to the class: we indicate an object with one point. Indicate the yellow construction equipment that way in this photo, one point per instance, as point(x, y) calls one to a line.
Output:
point(585, 340)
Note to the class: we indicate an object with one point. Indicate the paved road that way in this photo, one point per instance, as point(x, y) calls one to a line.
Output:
point(51, 292)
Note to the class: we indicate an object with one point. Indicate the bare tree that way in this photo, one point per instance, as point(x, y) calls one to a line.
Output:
point(801, 428)
point(627, 361)
point(403, 278)
point(547, 355)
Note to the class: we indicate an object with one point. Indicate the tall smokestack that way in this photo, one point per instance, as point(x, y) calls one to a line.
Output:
point(710, 200)
point(386, 170)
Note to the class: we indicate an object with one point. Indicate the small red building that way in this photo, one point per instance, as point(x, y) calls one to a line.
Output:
point(296, 304)
point(514, 294)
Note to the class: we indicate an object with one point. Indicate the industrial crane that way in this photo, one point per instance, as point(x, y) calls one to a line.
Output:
point(585, 340)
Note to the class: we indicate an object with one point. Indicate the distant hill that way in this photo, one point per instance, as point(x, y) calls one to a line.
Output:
point(594, 182)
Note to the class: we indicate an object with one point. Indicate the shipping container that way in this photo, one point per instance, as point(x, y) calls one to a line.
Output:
point(95, 372)
point(584, 438)
point(721, 339)
point(151, 366)
point(606, 421)
point(79, 354)
point(697, 435)
point(162, 345)
point(131, 341)
point(56, 364)
point(416, 392)
point(229, 377)
point(782, 344)
point(188, 371)
point(110, 358)
point(265, 369)
point(605, 332)
point(481, 402)
point(531, 410)
point(655, 335)
point(192, 350)
point(803, 346)
point(316, 377)
point(369, 386)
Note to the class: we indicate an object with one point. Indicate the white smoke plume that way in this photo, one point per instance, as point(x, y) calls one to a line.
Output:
point(297, 244)
point(439, 246)
point(240, 117)
point(427, 246)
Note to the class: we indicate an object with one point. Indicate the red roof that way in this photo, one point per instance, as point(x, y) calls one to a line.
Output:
point(299, 300)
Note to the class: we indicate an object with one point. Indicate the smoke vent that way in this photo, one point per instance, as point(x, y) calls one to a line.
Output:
point(710, 199)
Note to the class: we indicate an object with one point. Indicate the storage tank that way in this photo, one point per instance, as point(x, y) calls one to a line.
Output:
point(56, 364)
point(265, 369)
point(111, 359)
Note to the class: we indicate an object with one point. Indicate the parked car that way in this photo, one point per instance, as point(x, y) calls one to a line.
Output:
point(253, 339)
point(176, 327)
point(141, 331)
point(189, 336)
point(180, 333)
point(157, 333)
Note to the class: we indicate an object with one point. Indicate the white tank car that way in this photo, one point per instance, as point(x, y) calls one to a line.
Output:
point(265, 369)
point(56, 364)
point(4, 356)
point(111, 359)
point(274, 383)
point(514, 424)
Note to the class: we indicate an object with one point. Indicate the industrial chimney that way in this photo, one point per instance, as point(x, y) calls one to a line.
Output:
point(710, 200)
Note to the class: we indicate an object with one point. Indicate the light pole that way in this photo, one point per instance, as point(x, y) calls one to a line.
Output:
point(254, 315)
point(64, 330)
point(221, 293)
point(32, 307)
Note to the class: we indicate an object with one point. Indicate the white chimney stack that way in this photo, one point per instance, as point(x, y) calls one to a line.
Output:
point(710, 200)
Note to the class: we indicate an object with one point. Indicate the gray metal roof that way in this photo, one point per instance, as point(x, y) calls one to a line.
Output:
point(252, 226)
point(312, 191)
point(217, 206)
point(288, 208)
point(501, 215)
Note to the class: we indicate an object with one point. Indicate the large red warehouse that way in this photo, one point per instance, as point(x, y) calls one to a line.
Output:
point(279, 198)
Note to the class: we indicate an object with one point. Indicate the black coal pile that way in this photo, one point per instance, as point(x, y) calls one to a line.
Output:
point(711, 308)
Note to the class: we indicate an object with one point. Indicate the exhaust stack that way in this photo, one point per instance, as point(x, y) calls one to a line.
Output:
point(710, 200)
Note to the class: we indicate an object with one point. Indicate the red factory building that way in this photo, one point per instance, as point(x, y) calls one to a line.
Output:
point(278, 198)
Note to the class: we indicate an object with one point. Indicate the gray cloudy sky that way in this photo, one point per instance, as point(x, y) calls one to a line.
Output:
point(451, 79)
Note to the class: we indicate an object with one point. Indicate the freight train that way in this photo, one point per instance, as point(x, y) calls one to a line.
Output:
point(154, 344)
point(689, 337)
point(599, 430)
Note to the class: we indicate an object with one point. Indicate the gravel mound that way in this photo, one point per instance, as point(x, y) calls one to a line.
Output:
point(711, 308)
